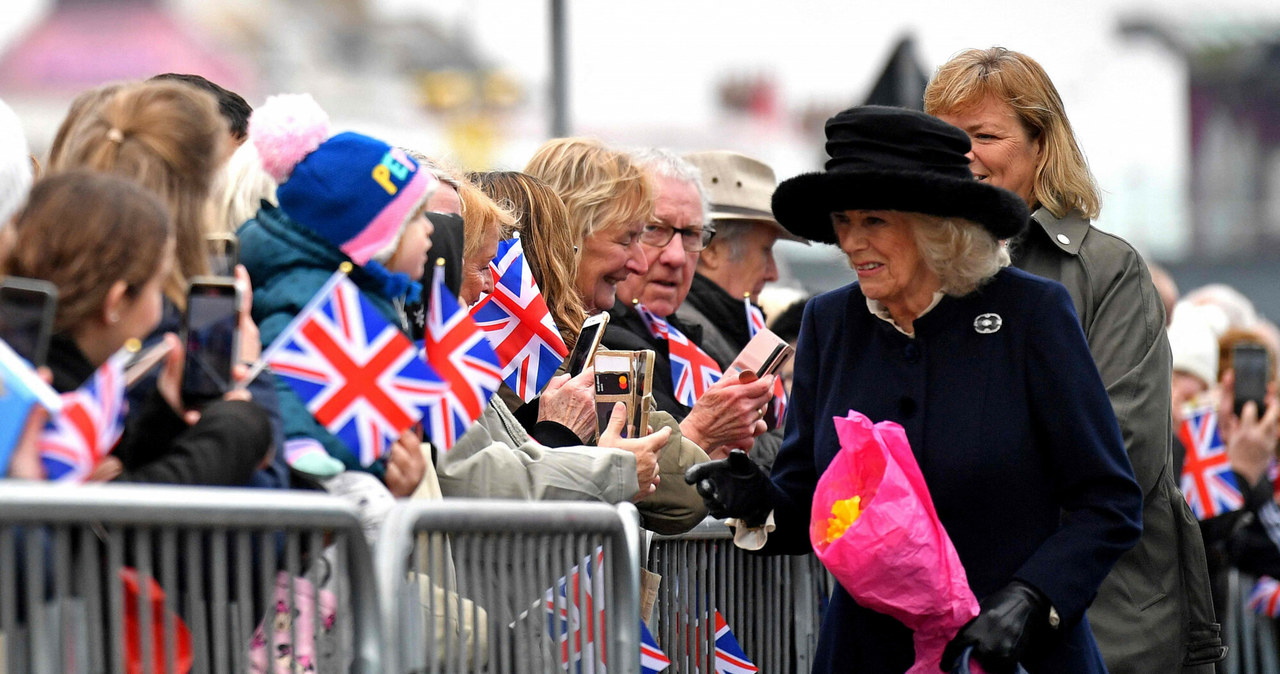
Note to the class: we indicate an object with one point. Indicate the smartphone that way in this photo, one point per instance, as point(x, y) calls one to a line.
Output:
point(212, 338)
point(1253, 369)
point(763, 355)
point(27, 308)
point(224, 253)
point(584, 350)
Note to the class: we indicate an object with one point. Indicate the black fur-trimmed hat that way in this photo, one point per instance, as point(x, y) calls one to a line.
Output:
point(894, 159)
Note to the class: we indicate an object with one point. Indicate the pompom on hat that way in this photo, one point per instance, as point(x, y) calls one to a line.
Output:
point(354, 191)
point(894, 159)
point(15, 164)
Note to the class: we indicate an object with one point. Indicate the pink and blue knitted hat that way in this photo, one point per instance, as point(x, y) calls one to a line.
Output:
point(356, 192)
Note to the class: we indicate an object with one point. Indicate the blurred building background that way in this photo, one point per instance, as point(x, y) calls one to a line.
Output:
point(1177, 104)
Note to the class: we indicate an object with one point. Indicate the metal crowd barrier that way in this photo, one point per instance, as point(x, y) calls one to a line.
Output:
point(116, 578)
point(475, 585)
point(773, 604)
point(1250, 638)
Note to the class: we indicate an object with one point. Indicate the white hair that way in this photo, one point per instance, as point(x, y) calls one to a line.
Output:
point(667, 164)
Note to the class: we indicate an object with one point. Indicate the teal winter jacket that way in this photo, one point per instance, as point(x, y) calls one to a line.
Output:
point(288, 264)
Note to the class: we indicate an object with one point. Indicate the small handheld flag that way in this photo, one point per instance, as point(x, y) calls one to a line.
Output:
point(20, 390)
point(729, 656)
point(652, 659)
point(519, 325)
point(579, 630)
point(692, 370)
point(89, 425)
point(358, 375)
point(1265, 598)
point(1207, 480)
point(460, 353)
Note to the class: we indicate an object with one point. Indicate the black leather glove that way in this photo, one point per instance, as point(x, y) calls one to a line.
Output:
point(733, 487)
point(1012, 622)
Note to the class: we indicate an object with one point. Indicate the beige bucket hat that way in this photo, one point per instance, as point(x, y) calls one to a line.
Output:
point(739, 188)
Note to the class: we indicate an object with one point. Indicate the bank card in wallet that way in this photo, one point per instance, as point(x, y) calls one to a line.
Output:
point(626, 377)
point(764, 354)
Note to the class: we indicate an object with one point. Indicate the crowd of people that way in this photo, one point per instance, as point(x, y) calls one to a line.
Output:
point(1044, 373)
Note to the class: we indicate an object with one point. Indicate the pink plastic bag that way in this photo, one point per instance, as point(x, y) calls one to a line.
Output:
point(895, 558)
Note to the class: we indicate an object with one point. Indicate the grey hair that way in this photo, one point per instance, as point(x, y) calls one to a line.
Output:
point(732, 233)
point(963, 254)
point(667, 164)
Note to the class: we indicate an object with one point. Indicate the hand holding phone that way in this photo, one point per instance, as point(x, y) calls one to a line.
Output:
point(584, 350)
point(211, 338)
point(1252, 369)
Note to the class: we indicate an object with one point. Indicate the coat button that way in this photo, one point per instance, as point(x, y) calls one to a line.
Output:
point(1064, 239)
point(911, 352)
point(907, 406)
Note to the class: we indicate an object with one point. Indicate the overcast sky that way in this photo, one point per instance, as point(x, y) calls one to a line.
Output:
point(653, 64)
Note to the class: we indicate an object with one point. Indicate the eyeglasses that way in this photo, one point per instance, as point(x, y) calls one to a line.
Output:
point(693, 239)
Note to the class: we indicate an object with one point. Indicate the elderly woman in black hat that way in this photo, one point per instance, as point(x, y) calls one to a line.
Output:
point(986, 369)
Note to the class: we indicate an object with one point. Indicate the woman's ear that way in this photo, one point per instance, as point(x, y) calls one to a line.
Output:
point(114, 303)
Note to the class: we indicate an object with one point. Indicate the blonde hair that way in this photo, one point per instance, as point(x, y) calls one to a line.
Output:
point(168, 137)
point(602, 188)
point(480, 216)
point(239, 189)
point(549, 246)
point(85, 102)
point(1063, 182)
point(963, 254)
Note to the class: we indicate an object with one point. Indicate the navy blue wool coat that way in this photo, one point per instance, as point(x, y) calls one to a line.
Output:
point(1015, 436)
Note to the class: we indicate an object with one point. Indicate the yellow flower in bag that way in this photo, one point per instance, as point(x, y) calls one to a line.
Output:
point(843, 514)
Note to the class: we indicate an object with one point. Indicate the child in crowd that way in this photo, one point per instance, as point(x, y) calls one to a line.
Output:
point(108, 246)
point(169, 138)
point(349, 198)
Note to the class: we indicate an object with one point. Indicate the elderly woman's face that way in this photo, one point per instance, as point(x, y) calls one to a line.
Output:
point(1004, 153)
point(609, 256)
point(882, 249)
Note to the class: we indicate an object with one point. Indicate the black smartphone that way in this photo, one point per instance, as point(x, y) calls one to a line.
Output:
point(584, 350)
point(224, 253)
point(211, 335)
point(1253, 369)
point(27, 308)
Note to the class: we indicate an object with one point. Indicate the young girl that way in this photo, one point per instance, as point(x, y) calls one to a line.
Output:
point(349, 198)
point(107, 244)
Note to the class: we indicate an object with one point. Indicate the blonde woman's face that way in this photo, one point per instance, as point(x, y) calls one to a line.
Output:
point(882, 250)
point(1003, 154)
point(609, 256)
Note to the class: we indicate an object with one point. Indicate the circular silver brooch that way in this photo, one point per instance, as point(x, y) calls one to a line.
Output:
point(986, 324)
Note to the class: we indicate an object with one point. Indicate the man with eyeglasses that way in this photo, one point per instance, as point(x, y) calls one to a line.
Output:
point(738, 261)
point(727, 415)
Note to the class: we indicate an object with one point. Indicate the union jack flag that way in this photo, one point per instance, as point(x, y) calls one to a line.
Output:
point(89, 425)
point(692, 370)
point(518, 323)
point(1207, 480)
point(778, 408)
point(652, 659)
point(358, 375)
point(21, 389)
point(461, 353)
point(1265, 598)
point(729, 656)
point(566, 614)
